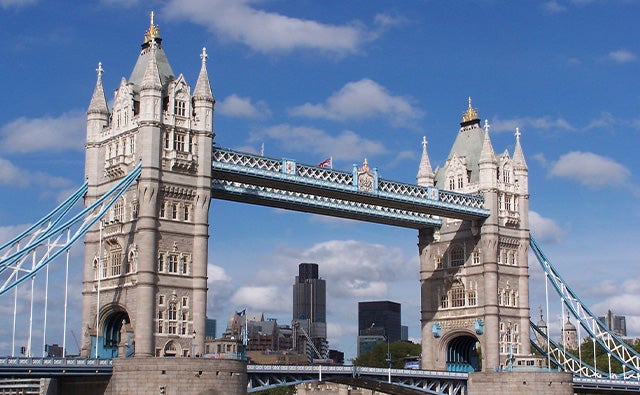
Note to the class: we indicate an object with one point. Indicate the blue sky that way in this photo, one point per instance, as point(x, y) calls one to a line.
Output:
point(350, 80)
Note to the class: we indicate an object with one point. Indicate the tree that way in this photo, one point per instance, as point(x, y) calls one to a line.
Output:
point(399, 350)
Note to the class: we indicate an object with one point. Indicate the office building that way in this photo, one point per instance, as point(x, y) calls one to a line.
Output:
point(616, 323)
point(378, 321)
point(309, 312)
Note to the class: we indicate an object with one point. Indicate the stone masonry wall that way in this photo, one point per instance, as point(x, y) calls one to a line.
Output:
point(177, 376)
point(521, 383)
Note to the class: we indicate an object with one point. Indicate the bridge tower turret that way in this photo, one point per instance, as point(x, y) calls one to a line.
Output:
point(474, 276)
point(145, 273)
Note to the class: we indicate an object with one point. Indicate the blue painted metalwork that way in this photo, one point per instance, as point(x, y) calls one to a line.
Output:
point(564, 359)
point(51, 367)
point(609, 341)
point(478, 326)
point(275, 182)
point(53, 235)
point(436, 329)
point(263, 377)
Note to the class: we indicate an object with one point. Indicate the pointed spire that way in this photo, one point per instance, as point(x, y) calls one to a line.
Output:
point(518, 155)
point(98, 102)
point(151, 79)
point(203, 86)
point(487, 155)
point(425, 174)
point(154, 31)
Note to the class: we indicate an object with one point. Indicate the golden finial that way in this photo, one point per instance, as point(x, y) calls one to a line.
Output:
point(471, 114)
point(365, 165)
point(153, 32)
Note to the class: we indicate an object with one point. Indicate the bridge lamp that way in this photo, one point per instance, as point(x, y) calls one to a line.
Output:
point(193, 345)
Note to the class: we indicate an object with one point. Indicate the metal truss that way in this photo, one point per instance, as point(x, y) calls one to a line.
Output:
point(286, 183)
point(609, 341)
point(321, 204)
point(23, 256)
point(396, 381)
point(48, 367)
point(562, 358)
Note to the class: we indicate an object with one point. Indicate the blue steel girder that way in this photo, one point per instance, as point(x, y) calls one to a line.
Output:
point(610, 342)
point(402, 381)
point(25, 255)
point(284, 183)
point(562, 358)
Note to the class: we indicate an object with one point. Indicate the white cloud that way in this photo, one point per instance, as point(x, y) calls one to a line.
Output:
point(543, 123)
point(622, 301)
point(590, 169)
point(359, 100)
point(243, 107)
point(66, 132)
point(12, 175)
point(553, 7)
point(11, 231)
point(262, 298)
point(16, 3)
point(15, 176)
point(544, 229)
point(622, 56)
point(220, 288)
point(267, 32)
point(347, 145)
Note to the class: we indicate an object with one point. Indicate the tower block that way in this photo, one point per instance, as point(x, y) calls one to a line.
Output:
point(474, 276)
point(145, 265)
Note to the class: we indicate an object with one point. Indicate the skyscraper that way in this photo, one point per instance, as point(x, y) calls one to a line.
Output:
point(378, 322)
point(309, 312)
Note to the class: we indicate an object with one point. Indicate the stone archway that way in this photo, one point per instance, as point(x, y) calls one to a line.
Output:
point(463, 354)
point(115, 337)
point(171, 349)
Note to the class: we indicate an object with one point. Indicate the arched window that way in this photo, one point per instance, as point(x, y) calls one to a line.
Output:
point(457, 294)
point(115, 260)
point(172, 317)
point(457, 256)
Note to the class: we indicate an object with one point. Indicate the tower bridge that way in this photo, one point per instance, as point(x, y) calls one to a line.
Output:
point(152, 169)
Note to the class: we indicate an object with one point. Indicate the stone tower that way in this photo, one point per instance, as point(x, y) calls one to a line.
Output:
point(474, 275)
point(145, 266)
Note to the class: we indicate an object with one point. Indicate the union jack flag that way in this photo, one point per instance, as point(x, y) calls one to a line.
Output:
point(326, 163)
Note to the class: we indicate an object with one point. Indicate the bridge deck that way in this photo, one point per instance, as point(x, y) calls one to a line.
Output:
point(360, 195)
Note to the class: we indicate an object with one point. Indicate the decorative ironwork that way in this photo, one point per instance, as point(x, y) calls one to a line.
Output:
point(362, 186)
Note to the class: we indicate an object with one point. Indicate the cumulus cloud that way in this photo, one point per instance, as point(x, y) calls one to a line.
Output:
point(269, 32)
point(622, 300)
point(544, 229)
point(16, 3)
point(622, 56)
point(359, 100)
point(553, 7)
point(220, 288)
point(347, 145)
point(13, 175)
point(262, 298)
point(243, 107)
point(544, 123)
point(590, 169)
point(24, 135)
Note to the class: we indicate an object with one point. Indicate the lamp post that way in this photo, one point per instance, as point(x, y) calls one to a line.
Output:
point(193, 345)
point(388, 360)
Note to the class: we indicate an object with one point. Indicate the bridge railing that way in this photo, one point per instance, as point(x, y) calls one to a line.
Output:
point(252, 165)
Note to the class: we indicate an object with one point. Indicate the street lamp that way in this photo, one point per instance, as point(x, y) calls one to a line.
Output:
point(388, 360)
point(193, 345)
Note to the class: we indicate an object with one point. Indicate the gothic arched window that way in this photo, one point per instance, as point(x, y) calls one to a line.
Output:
point(457, 256)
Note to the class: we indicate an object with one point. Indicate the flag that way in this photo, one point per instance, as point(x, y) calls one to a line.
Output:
point(326, 163)
point(241, 313)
